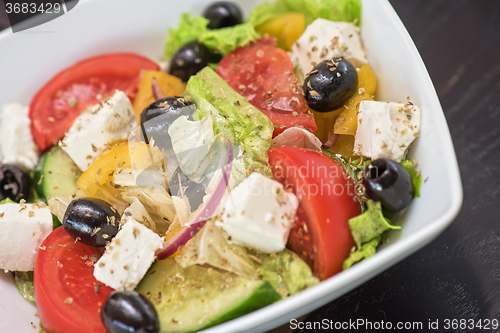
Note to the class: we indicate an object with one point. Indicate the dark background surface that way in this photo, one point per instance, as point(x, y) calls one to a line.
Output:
point(457, 276)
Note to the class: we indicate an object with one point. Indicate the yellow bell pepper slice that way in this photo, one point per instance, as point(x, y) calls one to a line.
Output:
point(343, 120)
point(325, 122)
point(171, 233)
point(367, 79)
point(134, 155)
point(347, 122)
point(171, 86)
point(344, 146)
point(287, 28)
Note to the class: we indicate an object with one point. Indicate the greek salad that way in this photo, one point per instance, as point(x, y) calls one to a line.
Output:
point(253, 162)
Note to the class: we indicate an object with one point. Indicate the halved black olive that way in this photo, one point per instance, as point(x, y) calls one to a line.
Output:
point(170, 107)
point(194, 191)
point(223, 14)
point(388, 181)
point(330, 84)
point(15, 182)
point(129, 312)
point(91, 221)
point(190, 59)
point(159, 115)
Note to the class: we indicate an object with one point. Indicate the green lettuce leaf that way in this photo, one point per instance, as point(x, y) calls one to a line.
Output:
point(367, 250)
point(24, 284)
point(370, 224)
point(56, 223)
point(223, 41)
point(286, 272)
point(334, 10)
point(416, 177)
point(210, 247)
point(7, 200)
point(263, 13)
point(361, 163)
point(227, 39)
point(234, 117)
point(194, 28)
point(353, 168)
point(189, 29)
point(366, 229)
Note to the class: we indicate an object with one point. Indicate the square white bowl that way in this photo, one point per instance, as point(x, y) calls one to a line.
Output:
point(29, 58)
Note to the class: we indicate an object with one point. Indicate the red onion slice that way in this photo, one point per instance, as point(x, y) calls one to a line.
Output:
point(198, 221)
point(332, 139)
point(157, 90)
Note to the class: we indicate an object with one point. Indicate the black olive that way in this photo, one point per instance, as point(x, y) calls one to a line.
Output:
point(388, 181)
point(173, 107)
point(129, 312)
point(223, 14)
point(330, 84)
point(92, 221)
point(194, 191)
point(190, 59)
point(15, 182)
point(159, 115)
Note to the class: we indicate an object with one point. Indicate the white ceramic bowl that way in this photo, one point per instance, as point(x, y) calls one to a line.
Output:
point(28, 59)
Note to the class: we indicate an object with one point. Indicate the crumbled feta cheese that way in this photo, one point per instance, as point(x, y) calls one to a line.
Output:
point(16, 142)
point(23, 229)
point(386, 130)
point(259, 214)
point(97, 127)
point(128, 257)
point(325, 39)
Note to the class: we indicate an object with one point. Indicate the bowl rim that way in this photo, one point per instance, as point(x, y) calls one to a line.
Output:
point(332, 288)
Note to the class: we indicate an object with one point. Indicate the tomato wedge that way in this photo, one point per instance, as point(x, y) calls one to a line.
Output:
point(57, 104)
point(321, 234)
point(263, 73)
point(69, 298)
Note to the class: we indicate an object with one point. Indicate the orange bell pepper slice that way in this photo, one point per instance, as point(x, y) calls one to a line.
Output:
point(133, 155)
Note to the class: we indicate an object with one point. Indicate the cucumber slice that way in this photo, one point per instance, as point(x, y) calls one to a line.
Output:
point(194, 298)
point(56, 174)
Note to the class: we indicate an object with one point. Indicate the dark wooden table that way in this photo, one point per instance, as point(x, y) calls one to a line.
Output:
point(457, 276)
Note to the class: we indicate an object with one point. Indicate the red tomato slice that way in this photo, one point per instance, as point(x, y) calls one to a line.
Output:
point(54, 107)
point(65, 287)
point(263, 73)
point(321, 234)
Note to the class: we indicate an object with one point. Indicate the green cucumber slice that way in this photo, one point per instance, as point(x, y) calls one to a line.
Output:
point(56, 174)
point(194, 298)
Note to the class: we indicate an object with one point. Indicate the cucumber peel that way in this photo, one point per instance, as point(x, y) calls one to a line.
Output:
point(194, 298)
point(56, 174)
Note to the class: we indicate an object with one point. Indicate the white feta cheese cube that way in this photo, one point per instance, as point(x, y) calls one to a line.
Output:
point(128, 257)
point(325, 39)
point(23, 229)
point(110, 121)
point(386, 130)
point(16, 142)
point(259, 214)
